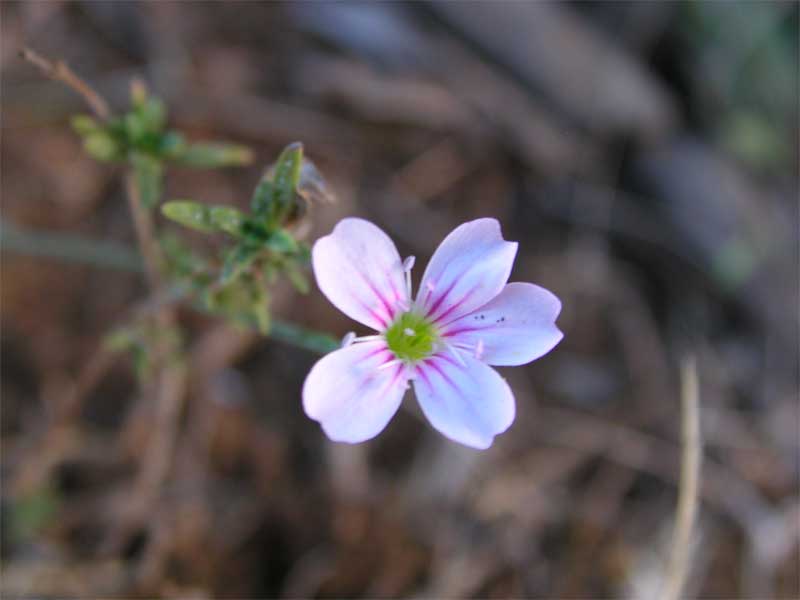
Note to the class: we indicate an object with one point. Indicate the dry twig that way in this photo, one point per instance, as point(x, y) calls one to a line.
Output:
point(59, 71)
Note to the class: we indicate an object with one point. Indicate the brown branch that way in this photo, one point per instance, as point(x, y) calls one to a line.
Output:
point(59, 71)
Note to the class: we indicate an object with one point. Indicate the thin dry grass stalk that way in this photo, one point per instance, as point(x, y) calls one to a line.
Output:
point(688, 492)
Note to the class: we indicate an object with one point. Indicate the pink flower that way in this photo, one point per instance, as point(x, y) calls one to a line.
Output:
point(464, 318)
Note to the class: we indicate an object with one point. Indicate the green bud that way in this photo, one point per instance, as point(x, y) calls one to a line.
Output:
point(276, 196)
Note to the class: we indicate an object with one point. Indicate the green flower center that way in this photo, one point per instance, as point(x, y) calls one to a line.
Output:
point(411, 337)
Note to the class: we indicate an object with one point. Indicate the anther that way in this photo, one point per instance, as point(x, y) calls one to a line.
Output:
point(348, 339)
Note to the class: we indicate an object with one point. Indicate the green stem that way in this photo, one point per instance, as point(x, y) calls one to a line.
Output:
point(70, 248)
point(111, 255)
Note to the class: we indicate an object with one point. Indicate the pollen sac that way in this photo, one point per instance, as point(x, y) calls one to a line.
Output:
point(411, 337)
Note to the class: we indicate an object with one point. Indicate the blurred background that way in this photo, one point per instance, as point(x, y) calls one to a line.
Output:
point(643, 154)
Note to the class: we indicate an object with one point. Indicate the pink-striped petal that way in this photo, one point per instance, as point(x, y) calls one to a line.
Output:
point(351, 395)
point(469, 403)
point(358, 268)
point(468, 269)
point(516, 327)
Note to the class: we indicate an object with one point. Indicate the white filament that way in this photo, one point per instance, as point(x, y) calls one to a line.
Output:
point(408, 264)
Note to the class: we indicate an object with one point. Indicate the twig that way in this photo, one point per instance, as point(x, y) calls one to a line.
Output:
point(172, 379)
point(59, 71)
point(688, 491)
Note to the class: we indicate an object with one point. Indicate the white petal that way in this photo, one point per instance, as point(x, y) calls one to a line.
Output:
point(518, 326)
point(469, 403)
point(358, 268)
point(469, 268)
point(350, 395)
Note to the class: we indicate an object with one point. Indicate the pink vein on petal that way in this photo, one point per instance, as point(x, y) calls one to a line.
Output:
point(455, 305)
point(441, 372)
point(386, 304)
point(441, 298)
point(455, 332)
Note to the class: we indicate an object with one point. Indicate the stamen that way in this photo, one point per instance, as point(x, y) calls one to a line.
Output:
point(368, 338)
point(348, 339)
point(409, 331)
point(456, 354)
point(429, 287)
point(408, 264)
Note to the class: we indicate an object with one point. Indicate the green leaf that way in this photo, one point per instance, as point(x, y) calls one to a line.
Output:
point(298, 279)
point(227, 219)
point(281, 241)
point(148, 173)
point(172, 144)
point(152, 115)
point(135, 128)
point(237, 259)
point(101, 146)
point(212, 155)
point(84, 124)
point(262, 198)
point(204, 218)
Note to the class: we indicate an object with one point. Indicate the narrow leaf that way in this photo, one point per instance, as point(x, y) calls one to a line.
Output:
point(212, 155)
